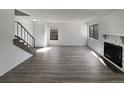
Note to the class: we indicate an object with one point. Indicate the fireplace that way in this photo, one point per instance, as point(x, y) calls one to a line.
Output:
point(113, 53)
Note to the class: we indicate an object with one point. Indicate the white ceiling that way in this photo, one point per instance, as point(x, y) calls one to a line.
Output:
point(65, 15)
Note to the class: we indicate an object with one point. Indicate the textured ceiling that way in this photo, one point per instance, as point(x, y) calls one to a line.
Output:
point(65, 15)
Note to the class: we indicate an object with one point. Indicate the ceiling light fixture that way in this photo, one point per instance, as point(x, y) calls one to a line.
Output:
point(34, 19)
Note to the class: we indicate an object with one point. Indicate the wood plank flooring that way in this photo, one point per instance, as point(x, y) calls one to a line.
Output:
point(62, 64)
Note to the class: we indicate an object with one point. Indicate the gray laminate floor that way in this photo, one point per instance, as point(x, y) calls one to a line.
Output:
point(62, 64)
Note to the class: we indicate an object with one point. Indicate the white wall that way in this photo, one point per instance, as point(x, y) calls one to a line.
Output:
point(40, 35)
point(110, 24)
point(10, 55)
point(69, 34)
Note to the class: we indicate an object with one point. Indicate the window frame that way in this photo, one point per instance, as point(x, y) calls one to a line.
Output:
point(53, 34)
point(93, 33)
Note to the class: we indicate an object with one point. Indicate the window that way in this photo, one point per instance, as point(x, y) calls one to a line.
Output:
point(53, 34)
point(93, 31)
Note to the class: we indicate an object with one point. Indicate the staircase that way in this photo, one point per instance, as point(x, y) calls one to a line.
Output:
point(23, 38)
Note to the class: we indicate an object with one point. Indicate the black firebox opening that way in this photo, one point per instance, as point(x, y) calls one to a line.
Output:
point(113, 53)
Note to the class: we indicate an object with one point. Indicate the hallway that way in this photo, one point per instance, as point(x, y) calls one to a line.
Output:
point(62, 64)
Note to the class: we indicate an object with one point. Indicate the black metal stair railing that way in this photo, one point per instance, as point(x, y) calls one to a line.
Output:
point(22, 35)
